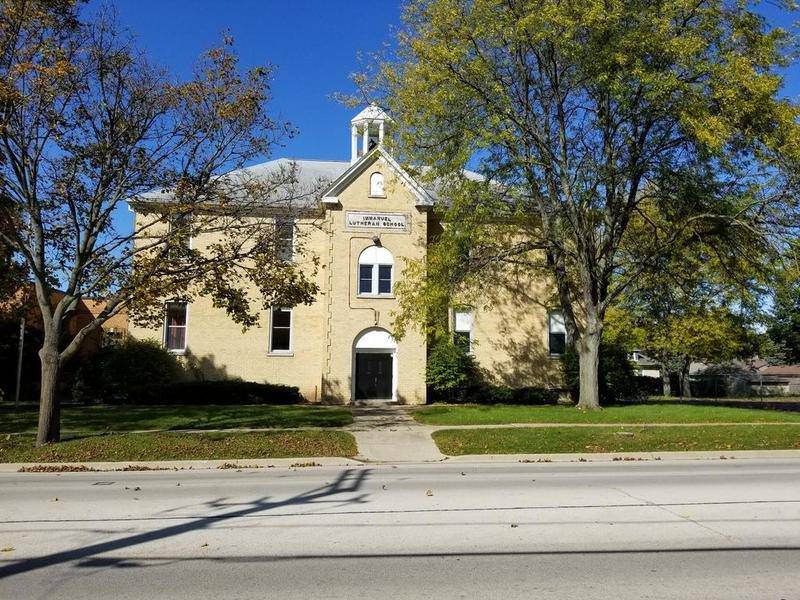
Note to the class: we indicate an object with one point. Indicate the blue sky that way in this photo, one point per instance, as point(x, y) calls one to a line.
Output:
point(313, 43)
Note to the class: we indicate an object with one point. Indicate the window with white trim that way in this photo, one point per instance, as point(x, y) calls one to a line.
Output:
point(280, 337)
point(375, 272)
point(376, 186)
point(557, 333)
point(284, 239)
point(462, 329)
point(175, 326)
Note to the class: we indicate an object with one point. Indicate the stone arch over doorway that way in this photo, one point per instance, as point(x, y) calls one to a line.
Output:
point(374, 372)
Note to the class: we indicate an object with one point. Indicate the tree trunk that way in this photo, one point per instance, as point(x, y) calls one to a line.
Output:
point(686, 389)
point(666, 381)
point(589, 360)
point(49, 410)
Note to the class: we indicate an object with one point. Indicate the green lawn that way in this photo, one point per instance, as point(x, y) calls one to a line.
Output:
point(606, 439)
point(637, 413)
point(181, 446)
point(99, 419)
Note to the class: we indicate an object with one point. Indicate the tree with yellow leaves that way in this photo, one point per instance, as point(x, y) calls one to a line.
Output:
point(87, 124)
point(578, 113)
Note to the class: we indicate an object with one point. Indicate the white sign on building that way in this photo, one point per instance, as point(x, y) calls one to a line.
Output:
point(376, 220)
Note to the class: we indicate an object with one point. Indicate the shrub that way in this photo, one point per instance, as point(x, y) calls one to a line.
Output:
point(31, 367)
point(616, 378)
point(216, 392)
point(649, 386)
point(116, 373)
point(497, 394)
point(450, 372)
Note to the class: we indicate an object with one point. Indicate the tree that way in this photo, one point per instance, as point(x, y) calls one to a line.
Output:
point(450, 370)
point(700, 305)
point(709, 336)
point(784, 325)
point(577, 113)
point(86, 124)
point(12, 277)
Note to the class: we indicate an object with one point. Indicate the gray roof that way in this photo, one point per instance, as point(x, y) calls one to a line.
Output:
point(296, 183)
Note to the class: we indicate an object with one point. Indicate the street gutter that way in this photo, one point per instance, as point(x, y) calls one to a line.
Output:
point(310, 463)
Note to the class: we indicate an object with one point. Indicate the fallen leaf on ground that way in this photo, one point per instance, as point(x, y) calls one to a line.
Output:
point(7, 549)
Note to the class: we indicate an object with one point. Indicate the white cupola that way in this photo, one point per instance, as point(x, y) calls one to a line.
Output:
point(370, 125)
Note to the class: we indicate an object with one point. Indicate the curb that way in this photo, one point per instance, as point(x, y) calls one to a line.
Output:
point(298, 463)
point(189, 465)
point(627, 456)
point(604, 425)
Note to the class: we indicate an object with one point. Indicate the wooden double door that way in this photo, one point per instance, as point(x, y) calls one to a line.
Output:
point(374, 376)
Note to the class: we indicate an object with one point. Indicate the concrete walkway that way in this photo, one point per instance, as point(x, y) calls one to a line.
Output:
point(387, 433)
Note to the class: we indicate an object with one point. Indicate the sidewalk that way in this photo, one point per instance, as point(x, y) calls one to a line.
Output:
point(387, 433)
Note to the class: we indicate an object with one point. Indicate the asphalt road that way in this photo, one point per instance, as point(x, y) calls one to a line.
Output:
point(684, 529)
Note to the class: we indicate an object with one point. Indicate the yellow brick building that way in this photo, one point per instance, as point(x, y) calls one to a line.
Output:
point(340, 348)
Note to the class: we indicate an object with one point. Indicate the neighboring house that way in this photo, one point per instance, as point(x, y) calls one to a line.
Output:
point(24, 304)
point(371, 217)
point(745, 378)
point(777, 380)
point(644, 365)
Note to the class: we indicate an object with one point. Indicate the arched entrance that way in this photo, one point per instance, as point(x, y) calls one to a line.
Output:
point(375, 366)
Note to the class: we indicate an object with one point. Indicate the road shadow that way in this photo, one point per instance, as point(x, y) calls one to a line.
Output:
point(349, 481)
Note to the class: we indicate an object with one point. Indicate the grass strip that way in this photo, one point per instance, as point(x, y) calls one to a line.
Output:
point(441, 414)
point(100, 419)
point(611, 439)
point(181, 446)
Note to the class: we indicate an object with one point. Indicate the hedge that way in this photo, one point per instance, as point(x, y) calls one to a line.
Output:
point(114, 373)
point(213, 392)
point(495, 394)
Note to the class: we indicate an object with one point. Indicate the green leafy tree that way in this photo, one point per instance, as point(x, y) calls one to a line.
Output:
point(88, 123)
point(710, 336)
point(784, 324)
point(450, 370)
point(578, 114)
point(699, 306)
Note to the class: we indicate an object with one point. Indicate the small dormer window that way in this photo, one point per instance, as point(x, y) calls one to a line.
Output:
point(376, 185)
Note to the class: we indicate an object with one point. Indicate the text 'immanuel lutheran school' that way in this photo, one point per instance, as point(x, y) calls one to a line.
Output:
point(365, 220)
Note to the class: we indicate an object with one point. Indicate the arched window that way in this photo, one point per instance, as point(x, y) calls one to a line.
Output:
point(376, 185)
point(375, 266)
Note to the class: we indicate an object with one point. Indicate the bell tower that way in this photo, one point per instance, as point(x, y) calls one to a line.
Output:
point(367, 130)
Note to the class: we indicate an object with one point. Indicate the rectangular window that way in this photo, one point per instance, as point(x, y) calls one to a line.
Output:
point(384, 279)
point(284, 240)
point(179, 240)
point(462, 329)
point(557, 333)
point(281, 330)
point(175, 326)
point(365, 279)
